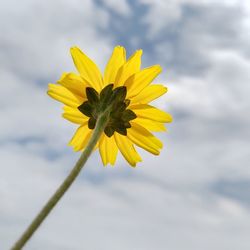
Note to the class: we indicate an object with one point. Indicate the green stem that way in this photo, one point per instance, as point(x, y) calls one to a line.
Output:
point(100, 125)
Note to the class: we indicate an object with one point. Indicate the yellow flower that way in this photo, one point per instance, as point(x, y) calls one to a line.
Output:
point(124, 86)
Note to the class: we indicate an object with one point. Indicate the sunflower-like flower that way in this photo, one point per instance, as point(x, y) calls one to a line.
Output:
point(126, 90)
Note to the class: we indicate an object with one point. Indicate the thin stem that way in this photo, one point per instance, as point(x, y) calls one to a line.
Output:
point(100, 125)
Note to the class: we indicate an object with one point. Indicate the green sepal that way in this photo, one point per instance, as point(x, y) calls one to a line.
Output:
point(127, 125)
point(121, 130)
point(109, 131)
point(92, 95)
point(119, 94)
point(106, 94)
point(127, 102)
point(118, 109)
point(86, 109)
point(91, 123)
point(113, 100)
point(120, 127)
point(128, 115)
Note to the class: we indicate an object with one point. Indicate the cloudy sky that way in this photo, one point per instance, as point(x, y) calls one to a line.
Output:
point(196, 194)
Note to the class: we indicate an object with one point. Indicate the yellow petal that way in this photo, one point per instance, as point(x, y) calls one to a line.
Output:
point(80, 138)
point(117, 59)
point(127, 149)
point(150, 124)
point(108, 149)
point(131, 67)
point(74, 115)
point(137, 82)
point(148, 94)
point(87, 68)
point(151, 113)
point(75, 83)
point(144, 139)
point(63, 95)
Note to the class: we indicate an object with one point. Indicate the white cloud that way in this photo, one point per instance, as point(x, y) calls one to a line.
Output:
point(33, 50)
point(220, 92)
point(121, 7)
point(171, 201)
point(162, 13)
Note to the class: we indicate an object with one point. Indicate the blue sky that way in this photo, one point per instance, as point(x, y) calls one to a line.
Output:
point(195, 195)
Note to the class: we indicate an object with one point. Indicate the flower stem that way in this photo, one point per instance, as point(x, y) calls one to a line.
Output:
point(100, 125)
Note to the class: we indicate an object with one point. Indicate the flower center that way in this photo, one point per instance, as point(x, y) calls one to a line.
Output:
point(112, 100)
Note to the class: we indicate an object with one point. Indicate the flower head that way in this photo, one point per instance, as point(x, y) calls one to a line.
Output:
point(125, 89)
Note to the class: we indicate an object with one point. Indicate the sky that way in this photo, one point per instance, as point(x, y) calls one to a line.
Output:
point(196, 194)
